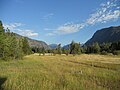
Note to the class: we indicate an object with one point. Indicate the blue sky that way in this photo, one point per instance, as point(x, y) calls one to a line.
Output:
point(59, 21)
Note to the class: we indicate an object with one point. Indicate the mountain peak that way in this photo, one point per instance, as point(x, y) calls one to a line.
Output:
point(110, 34)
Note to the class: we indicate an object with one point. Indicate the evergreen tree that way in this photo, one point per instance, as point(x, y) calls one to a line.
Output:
point(75, 48)
point(12, 47)
point(26, 48)
point(105, 47)
point(54, 51)
point(43, 51)
point(84, 49)
point(2, 41)
point(96, 48)
point(59, 50)
point(19, 52)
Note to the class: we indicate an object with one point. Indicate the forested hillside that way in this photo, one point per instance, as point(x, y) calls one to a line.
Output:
point(35, 43)
point(12, 47)
point(106, 35)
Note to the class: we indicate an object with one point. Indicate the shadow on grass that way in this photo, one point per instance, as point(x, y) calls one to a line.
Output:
point(2, 81)
point(103, 65)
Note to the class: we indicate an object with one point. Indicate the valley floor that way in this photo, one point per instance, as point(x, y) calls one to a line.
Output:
point(80, 72)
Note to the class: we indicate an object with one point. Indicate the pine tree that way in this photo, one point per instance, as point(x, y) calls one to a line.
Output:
point(96, 48)
point(75, 48)
point(20, 52)
point(59, 50)
point(2, 41)
point(26, 48)
point(43, 51)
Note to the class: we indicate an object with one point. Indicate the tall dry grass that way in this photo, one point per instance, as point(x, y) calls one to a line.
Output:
point(80, 72)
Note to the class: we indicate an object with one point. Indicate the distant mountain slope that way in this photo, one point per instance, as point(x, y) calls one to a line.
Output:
point(66, 47)
point(35, 43)
point(111, 34)
point(53, 46)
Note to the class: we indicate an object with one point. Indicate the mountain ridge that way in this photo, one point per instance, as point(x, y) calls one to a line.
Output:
point(35, 43)
point(105, 35)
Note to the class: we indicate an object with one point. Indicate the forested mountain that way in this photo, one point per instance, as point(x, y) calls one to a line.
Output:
point(53, 46)
point(35, 43)
point(66, 47)
point(105, 35)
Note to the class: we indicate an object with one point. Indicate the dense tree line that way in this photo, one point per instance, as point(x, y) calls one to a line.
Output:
point(75, 49)
point(103, 48)
point(11, 47)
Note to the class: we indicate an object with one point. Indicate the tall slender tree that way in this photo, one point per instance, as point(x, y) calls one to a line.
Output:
point(26, 48)
point(59, 49)
point(2, 41)
point(75, 48)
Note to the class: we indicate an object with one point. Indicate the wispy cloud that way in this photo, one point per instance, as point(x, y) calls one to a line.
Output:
point(16, 27)
point(68, 28)
point(48, 16)
point(27, 32)
point(108, 11)
point(12, 26)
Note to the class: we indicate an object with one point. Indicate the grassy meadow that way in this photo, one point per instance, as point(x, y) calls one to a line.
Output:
point(80, 72)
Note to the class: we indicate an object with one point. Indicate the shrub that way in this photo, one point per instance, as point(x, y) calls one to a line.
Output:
point(116, 52)
point(104, 53)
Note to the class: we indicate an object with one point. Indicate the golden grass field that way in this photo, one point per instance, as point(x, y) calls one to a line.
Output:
point(80, 72)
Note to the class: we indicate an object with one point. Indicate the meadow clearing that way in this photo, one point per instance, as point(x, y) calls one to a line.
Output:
point(80, 72)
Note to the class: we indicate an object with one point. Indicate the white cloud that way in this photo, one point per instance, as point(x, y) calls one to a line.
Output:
point(16, 27)
point(12, 26)
point(108, 11)
point(68, 28)
point(27, 33)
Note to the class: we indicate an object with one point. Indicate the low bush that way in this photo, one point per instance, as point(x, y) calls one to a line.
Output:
point(104, 53)
point(116, 52)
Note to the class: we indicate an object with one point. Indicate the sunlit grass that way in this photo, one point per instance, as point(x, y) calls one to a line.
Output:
point(81, 72)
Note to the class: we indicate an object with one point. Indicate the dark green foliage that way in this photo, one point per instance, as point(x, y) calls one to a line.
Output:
point(11, 47)
point(54, 51)
point(35, 49)
point(26, 48)
point(105, 47)
point(43, 51)
point(65, 51)
point(84, 49)
point(59, 50)
point(2, 40)
point(115, 46)
point(96, 48)
point(116, 52)
point(104, 53)
point(40, 50)
point(75, 48)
